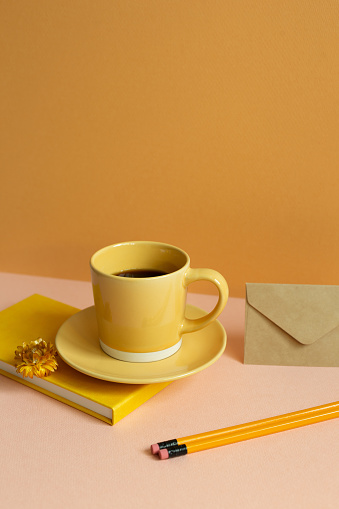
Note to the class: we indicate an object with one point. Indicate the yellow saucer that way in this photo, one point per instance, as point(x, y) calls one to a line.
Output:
point(78, 344)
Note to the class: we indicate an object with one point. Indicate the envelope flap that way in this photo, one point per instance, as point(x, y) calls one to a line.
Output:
point(306, 312)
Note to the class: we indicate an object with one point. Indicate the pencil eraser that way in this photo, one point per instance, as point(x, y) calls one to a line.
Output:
point(163, 454)
point(155, 448)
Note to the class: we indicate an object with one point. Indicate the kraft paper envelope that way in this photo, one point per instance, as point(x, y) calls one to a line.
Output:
point(292, 325)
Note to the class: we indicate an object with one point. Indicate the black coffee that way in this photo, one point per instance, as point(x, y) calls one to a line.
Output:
point(139, 273)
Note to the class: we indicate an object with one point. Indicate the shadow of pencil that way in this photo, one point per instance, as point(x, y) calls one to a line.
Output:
point(147, 452)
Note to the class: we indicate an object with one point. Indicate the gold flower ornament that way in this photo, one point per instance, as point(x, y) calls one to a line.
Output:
point(36, 358)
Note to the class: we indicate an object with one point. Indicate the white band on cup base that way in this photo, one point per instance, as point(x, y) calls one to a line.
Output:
point(140, 356)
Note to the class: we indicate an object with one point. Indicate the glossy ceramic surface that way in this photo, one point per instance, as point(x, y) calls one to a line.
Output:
point(78, 345)
point(138, 316)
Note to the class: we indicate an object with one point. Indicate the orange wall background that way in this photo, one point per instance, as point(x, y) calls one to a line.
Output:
point(211, 125)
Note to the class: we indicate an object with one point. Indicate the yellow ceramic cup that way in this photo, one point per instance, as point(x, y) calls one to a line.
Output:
point(143, 319)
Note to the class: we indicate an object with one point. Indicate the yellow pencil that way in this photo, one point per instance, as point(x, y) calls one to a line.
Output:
point(233, 434)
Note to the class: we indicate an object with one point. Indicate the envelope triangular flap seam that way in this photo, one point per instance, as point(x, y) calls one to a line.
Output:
point(305, 312)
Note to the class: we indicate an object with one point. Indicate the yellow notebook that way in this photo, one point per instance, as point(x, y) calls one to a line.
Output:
point(39, 316)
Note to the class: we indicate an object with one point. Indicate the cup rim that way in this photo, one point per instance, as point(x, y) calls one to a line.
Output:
point(133, 242)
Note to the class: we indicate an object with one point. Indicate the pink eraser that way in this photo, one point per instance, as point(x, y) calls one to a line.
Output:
point(155, 448)
point(163, 454)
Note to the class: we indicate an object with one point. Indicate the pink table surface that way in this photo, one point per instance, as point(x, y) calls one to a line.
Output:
point(55, 456)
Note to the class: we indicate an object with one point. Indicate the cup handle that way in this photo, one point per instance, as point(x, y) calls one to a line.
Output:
point(219, 281)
